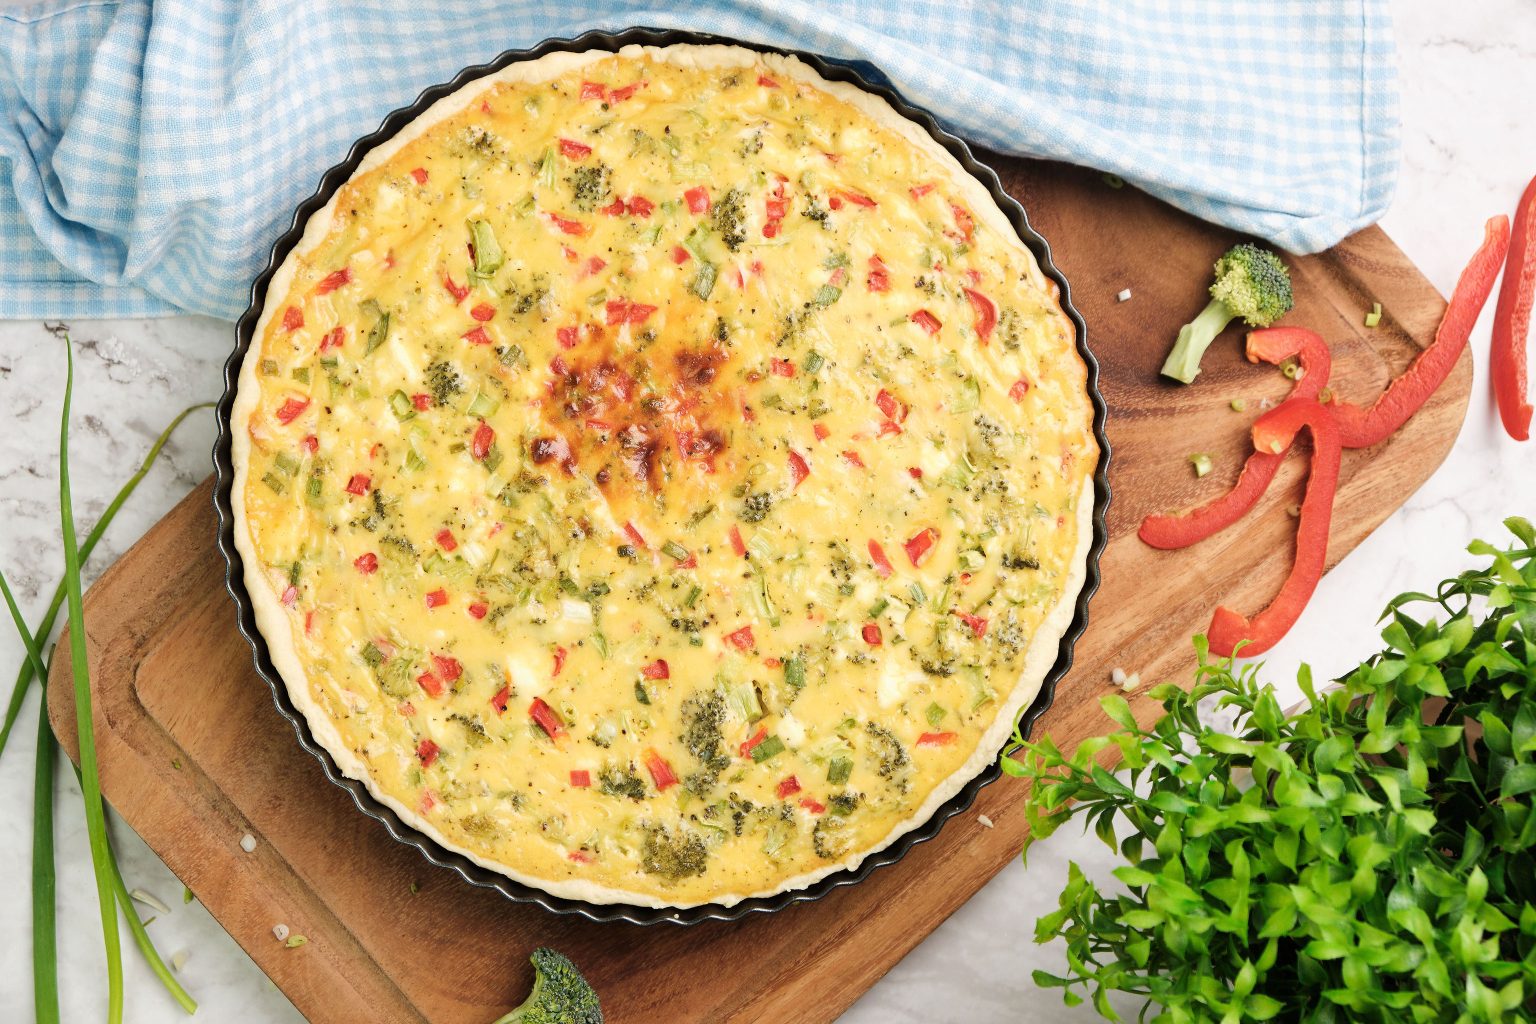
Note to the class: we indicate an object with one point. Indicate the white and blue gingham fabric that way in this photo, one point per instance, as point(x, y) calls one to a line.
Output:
point(150, 153)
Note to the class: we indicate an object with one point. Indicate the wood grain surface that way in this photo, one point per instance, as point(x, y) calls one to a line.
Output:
point(194, 756)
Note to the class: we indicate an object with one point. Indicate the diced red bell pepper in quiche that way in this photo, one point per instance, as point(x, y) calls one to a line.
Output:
point(1512, 320)
point(766, 82)
point(680, 255)
point(480, 444)
point(936, 739)
point(799, 469)
point(871, 634)
point(358, 484)
point(697, 199)
point(437, 598)
point(422, 401)
point(566, 225)
point(963, 220)
point(290, 410)
point(426, 752)
point(478, 609)
point(581, 778)
point(656, 670)
point(742, 639)
point(927, 321)
point(1361, 428)
point(634, 536)
point(431, 684)
point(335, 279)
point(737, 544)
point(500, 700)
point(448, 668)
point(459, 291)
point(1271, 345)
point(640, 206)
point(1018, 390)
point(622, 311)
point(594, 91)
point(483, 312)
point(977, 623)
point(788, 788)
point(890, 406)
point(290, 596)
point(854, 459)
point(813, 805)
point(560, 656)
point(859, 200)
point(293, 318)
point(445, 539)
point(986, 314)
point(879, 278)
point(746, 745)
point(477, 336)
point(919, 546)
point(821, 431)
point(882, 564)
point(613, 209)
point(311, 443)
point(334, 338)
point(781, 367)
point(624, 92)
point(573, 150)
point(661, 771)
point(1275, 431)
point(548, 720)
point(366, 563)
point(918, 191)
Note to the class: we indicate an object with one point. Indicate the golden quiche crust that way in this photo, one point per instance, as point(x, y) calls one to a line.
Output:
point(662, 477)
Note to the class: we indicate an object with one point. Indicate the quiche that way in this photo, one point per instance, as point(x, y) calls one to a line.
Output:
point(662, 476)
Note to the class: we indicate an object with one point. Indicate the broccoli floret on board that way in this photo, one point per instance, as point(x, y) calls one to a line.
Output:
point(560, 994)
point(1250, 283)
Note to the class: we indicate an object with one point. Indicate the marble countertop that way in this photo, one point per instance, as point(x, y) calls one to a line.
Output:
point(1465, 156)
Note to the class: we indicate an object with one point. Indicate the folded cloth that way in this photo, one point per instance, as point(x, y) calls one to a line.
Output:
point(150, 153)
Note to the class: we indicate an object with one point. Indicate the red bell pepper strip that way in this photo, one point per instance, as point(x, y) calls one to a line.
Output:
point(1361, 428)
point(1271, 345)
point(1512, 320)
point(548, 720)
point(661, 771)
point(1274, 432)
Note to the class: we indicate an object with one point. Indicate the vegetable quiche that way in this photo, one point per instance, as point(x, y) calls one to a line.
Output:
point(662, 477)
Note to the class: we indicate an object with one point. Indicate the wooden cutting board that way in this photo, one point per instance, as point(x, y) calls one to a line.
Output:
point(194, 756)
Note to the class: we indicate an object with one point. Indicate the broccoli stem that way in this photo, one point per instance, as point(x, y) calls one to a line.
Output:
point(1183, 363)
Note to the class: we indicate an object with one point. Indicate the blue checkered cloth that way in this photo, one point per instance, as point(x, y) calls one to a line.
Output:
point(150, 153)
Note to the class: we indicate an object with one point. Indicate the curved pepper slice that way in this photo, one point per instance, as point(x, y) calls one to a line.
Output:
point(1512, 320)
point(1271, 345)
point(1361, 428)
point(1274, 432)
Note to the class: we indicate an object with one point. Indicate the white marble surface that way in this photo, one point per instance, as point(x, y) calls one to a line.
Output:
point(1469, 146)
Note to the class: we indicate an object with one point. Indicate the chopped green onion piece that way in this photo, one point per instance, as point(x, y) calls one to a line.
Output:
point(295, 941)
point(970, 395)
point(269, 367)
point(600, 642)
point(826, 295)
point(1112, 180)
point(838, 770)
point(916, 590)
point(487, 249)
point(878, 607)
point(1202, 463)
point(672, 549)
point(301, 375)
point(372, 655)
point(400, 402)
point(767, 749)
point(693, 597)
point(482, 405)
point(972, 559)
point(935, 714)
point(742, 697)
point(813, 361)
point(414, 460)
point(640, 694)
point(794, 672)
point(547, 168)
point(1374, 316)
point(378, 334)
point(694, 243)
point(313, 492)
point(274, 482)
point(285, 464)
point(704, 280)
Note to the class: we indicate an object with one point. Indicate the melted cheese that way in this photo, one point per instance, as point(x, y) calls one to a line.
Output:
point(662, 472)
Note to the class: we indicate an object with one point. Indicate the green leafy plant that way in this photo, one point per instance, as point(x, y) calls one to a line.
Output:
point(1371, 857)
point(113, 892)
